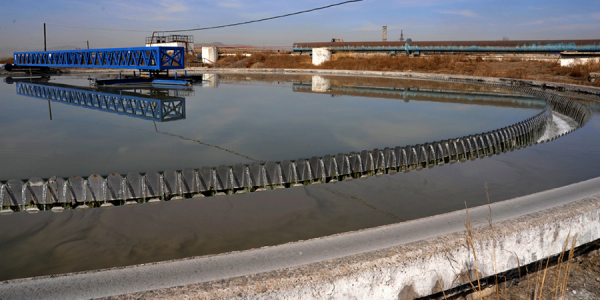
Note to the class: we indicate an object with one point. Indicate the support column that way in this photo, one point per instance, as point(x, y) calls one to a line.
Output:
point(210, 55)
point(320, 55)
point(320, 84)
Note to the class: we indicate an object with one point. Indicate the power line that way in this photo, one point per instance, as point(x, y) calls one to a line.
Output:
point(212, 27)
point(107, 29)
point(265, 19)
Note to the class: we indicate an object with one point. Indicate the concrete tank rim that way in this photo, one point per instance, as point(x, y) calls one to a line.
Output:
point(102, 279)
point(567, 194)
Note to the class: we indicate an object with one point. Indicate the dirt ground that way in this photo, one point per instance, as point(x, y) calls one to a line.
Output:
point(582, 276)
point(510, 67)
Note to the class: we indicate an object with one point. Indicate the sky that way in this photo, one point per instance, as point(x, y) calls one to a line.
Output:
point(127, 23)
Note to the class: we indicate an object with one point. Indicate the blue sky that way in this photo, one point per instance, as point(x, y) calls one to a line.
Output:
point(21, 22)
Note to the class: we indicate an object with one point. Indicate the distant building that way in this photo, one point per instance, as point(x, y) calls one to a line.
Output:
point(185, 41)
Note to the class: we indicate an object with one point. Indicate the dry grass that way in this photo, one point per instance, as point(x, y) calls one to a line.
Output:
point(7, 60)
point(442, 64)
point(547, 282)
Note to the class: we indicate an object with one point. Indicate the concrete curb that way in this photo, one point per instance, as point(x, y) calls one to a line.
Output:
point(417, 249)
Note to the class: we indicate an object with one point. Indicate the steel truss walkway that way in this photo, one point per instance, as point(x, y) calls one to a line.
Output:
point(139, 58)
point(122, 103)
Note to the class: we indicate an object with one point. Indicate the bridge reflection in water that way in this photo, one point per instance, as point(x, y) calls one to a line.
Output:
point(151, 104)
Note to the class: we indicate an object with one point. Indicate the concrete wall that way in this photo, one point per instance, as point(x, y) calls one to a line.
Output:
point(569, 62)
point(415, 270)
point(320, 55)
point(210, 55)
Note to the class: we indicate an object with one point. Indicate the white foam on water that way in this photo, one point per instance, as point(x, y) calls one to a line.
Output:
point(560, 124)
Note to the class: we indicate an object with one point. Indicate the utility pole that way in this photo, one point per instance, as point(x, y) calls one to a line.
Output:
point(384, 33)
point(50, 110)
point(49, 106)
point(401, 35)
point(88, 43)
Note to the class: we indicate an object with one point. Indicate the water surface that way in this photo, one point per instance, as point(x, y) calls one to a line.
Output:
point(298, 124)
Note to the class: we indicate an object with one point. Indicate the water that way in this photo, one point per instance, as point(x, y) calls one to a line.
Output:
point(227, 125)
point(299, 124)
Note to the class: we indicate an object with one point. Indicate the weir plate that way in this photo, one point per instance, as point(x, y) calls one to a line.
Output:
point(58, 193)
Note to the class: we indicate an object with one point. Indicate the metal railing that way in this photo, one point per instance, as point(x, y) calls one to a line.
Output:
point(141, 58)
point(254, 50)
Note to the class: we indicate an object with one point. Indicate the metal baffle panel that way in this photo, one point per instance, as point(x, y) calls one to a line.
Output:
point(328, 164)
point(188, 181)
point(377, 161)
point(422, 152)
point(57, 189)
point(14, 192)
point(286, 171)
point(409, 155)
point(432, 157)
point(446, 149)
point(95, 188)
point(439, 153)
point(470, 147)
point(503, 140)
point(387, 158)
point(4, 199)
point(404, 161)
point(239, 176)
point(205, 179)
point(453, 150)
point(315, 168)
point(475, 145)
point(413, 156)
point(400, 158)
point(114, 187)
point(467, 147)
point(133, 185)
point(37, 191)
point(343, 167)
point(271, 173)
point(77, 187)
point(354, 160)
point(486, 141)
point(256, 174)
point(171, 182)
point(495, 142)
point(153, 187)
point(460, 148)
point(366, 160)
point(223, 180)
point(302, 169)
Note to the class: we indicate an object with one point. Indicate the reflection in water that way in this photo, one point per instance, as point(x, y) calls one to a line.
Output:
point(158, 106)
point(147, 233)
point(160, 103)
point(319, 84)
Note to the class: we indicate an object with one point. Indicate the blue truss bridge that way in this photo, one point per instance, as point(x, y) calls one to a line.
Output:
point(138, 58)
point(161, 109)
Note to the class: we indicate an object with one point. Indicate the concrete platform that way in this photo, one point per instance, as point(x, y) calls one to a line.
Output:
point(398, 261)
